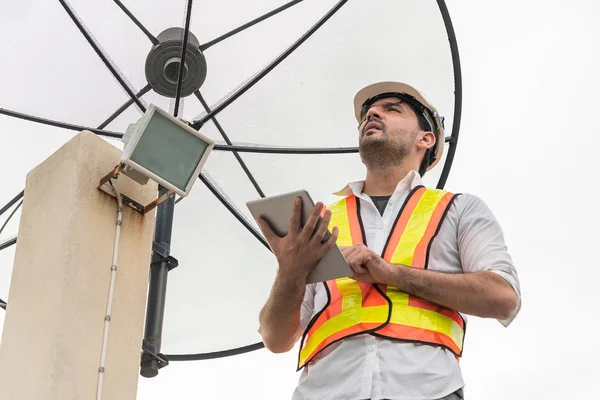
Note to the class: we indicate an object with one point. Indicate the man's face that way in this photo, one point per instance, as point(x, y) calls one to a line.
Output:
point(387, 133)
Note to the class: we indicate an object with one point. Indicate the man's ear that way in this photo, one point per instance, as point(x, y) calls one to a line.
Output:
point(426, 141)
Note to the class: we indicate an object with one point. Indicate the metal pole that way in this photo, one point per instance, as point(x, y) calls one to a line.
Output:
point(159, 270)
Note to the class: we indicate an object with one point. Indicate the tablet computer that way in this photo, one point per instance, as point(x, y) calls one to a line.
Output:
point(277, 211)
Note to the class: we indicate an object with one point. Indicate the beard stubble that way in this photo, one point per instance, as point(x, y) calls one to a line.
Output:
point(382, 153)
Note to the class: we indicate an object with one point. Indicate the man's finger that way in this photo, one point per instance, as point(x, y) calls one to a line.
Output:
point(311, 223)
point(348, 249)
point(328, 245)
point(266, 230)
point(358, 260)
point(323, 227)
point(358, 267)
point(335, 233)
point(350, 252)
point(296, 216)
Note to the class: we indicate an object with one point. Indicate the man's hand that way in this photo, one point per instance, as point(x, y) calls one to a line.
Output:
point(368, 266)
point(299, 252)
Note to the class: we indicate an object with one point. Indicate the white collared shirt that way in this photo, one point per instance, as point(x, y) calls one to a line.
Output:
point(367, 367)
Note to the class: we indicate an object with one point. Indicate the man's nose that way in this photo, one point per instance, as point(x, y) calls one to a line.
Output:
point(374, 112)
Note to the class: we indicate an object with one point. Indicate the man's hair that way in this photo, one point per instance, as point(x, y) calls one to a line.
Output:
point(423, 124)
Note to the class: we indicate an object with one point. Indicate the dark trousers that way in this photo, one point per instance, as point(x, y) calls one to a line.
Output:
point(458, 395)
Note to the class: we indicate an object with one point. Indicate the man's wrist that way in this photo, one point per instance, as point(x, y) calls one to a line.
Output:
point(396, 275)
point(290, 277)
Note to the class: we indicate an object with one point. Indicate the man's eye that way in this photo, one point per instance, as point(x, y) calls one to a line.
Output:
point(395, 109)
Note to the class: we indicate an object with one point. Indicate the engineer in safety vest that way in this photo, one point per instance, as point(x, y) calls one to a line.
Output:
point(423, 259)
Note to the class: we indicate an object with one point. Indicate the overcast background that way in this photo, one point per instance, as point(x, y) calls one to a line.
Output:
point(528, 147)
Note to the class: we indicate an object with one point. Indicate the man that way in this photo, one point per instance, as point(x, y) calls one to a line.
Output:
point(423, 258)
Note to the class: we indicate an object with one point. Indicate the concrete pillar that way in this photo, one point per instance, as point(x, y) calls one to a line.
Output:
point(54, 323)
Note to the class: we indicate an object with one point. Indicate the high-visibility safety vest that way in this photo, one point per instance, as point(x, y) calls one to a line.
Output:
point(355, 308)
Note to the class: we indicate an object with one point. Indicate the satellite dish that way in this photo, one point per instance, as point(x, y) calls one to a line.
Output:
point(271, 83)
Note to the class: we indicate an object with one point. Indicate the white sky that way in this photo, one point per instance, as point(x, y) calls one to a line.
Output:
point(527, 147)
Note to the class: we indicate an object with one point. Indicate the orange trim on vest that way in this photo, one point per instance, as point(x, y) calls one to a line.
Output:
point(371, 300)
point(353, 217)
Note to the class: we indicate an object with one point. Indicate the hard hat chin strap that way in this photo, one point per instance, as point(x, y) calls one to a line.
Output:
point(428, 159)
point(425, 163)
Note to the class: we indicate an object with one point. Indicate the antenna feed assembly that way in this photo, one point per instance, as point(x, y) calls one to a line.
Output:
point(164, 61)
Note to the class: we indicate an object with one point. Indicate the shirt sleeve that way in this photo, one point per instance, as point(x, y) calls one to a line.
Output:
point(481, 244)
point(308, 305)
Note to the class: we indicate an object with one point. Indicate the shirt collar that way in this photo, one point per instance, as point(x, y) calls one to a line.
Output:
point(412, 180)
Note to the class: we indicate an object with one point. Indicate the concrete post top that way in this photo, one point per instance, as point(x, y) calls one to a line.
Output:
point(54, 325)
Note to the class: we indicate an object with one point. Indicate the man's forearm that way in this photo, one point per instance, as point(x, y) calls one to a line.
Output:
point(280, 317)
point(483, 294)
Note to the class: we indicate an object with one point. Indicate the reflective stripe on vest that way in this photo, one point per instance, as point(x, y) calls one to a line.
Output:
point(356, 308)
